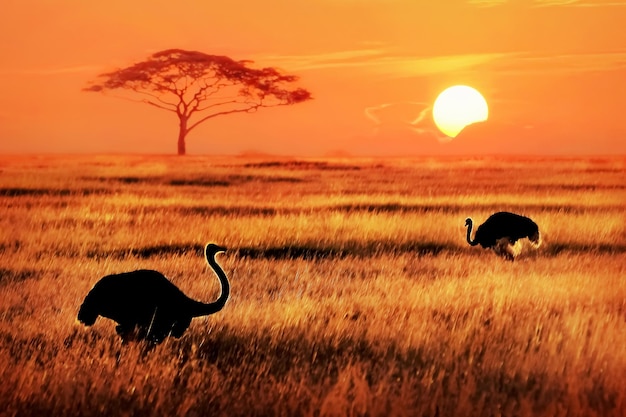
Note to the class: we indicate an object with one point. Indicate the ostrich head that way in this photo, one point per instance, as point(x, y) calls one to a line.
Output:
point(468, 222)
point(535, 239)
point(213, 249)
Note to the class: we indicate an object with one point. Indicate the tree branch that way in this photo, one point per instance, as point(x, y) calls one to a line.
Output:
point(155, 97)
point(145, 100)
point(222, 113)
point(252, 108)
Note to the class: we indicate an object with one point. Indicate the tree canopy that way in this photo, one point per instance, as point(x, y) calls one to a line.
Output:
point(198, 87)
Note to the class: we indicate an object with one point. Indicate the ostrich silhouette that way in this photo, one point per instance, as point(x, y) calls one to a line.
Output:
point(501, 231)
point(147, 306)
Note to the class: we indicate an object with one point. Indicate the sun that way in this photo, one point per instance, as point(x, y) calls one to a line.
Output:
point(457, 107)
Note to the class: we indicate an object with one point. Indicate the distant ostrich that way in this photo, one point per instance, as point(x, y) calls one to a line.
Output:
point(147, 306)
point(501, 231)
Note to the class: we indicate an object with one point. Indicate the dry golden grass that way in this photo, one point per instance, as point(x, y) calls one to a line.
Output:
point(353, 289)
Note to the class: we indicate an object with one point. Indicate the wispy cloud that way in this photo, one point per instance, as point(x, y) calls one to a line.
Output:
point(416, 112)
point(551, 3)
point(563, 63)
point(420, 66)
point(403, 118)
point(52, 71)
point(487, 3)
point(336, 59)
point(546, 3)
point(578, 3)
point(380, 60)
point(387, 64)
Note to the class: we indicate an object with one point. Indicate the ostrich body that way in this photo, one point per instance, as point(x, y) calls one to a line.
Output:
point(501, 231)
point(146, 305)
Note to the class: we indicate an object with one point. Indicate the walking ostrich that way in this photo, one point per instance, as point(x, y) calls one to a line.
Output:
point(501, 231)
point(147, 306)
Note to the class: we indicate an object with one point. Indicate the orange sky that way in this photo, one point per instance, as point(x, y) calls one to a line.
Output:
point(552, 71)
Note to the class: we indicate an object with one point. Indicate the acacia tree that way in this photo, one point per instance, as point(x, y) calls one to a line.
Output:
point(198, 87)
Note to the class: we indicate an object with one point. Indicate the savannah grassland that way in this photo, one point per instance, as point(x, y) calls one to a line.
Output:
point(353, 290)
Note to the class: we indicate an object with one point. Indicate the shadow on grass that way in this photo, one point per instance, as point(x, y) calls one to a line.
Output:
point(304, 165)
point(12, 275)
point(232, 180)
point(57, 192)
point(463, 211)
point(196, 181)
point(349, 249)
point(147, 252)
point(556, 249)
point(229, 365)
point(229, 211)
point(321, 361)
point(340, 251)
point(124, 179)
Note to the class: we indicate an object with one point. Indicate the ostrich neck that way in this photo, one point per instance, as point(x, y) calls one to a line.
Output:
point(469, 234)
point(204, 309)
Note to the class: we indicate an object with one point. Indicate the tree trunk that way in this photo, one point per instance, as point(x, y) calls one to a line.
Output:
point(182, 134)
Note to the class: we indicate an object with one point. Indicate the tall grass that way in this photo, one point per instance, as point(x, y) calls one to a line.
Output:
point(353, 290)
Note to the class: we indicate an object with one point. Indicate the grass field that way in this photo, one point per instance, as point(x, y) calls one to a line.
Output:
point(354, 292)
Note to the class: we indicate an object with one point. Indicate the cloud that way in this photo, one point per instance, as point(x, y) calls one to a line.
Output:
point(383, 61)
point(551, 3)
point(601, 4)
point(337, 59)
point(403, 119)
point(403, 112)
point(562, 63)
point(578, 3)
point(421, 66)
point(546, 3)
point(487, 3)
point(52, 71)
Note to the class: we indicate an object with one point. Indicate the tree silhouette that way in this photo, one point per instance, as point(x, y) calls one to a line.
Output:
point(198, 87)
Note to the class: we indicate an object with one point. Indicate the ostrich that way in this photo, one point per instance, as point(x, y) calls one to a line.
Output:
point(501, 231)
point(147, 306)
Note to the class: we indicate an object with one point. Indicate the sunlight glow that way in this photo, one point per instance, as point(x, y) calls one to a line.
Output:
point(457, 107)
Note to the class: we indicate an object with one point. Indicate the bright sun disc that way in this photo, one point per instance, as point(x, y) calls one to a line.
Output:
point(457, 107)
